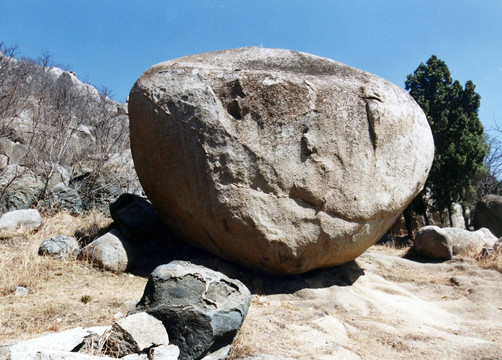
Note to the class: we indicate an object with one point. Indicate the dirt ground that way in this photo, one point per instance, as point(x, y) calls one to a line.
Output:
point(381, 306)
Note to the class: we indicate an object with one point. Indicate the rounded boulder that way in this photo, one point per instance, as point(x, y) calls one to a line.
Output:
point(275, 159)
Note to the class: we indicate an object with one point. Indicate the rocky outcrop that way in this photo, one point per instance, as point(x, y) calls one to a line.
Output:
point(488, 214)
point(278, 160)
point(199, 307)
point(62, 144)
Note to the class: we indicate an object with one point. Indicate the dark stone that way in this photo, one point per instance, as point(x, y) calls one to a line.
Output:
point(199, 307)
point(135, 217)
point(488, 214)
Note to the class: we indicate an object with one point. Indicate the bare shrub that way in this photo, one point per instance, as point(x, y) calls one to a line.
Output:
point(73, 133)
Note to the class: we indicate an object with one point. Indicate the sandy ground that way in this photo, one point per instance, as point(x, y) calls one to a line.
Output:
point(378, 307)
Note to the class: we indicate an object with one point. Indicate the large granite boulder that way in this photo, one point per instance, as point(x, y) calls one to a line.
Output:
point(488, 214)
point(278, 160)
point(199, 307)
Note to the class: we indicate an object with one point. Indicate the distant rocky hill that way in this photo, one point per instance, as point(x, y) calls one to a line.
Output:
point(63, 144)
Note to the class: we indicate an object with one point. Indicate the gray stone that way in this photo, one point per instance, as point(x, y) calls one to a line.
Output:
point(111, 251)
point(198, 306)
point(134, 334)
point(59, 246)
point(29, 219)
point(488, 214)
point(66, 198)
point(63, 341)
point(433, 242)
point(464, 241)
point(20, 186)
point(275, 159)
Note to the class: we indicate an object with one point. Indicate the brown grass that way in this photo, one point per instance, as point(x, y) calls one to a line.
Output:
point(62, 293)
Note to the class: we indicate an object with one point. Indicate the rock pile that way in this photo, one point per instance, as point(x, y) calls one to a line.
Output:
point(279, 160)
point(136, 337)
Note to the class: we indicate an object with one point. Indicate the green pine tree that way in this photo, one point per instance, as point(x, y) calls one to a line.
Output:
point(460, 144)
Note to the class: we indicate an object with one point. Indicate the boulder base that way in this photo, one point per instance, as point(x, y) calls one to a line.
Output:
point(278, 160)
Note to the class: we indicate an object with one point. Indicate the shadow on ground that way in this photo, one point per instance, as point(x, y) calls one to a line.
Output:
point(147, 256)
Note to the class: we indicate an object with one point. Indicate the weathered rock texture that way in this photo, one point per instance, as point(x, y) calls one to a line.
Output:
point(279, 160)
point(199, 307)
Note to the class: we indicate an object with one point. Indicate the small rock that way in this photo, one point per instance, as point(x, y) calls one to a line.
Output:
point(21, 291)
point(59, 246)
point(30, 219)
point(110, 251)
point(118, 315)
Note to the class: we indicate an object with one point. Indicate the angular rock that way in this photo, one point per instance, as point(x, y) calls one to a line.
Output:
point(433, 242)
point(278, 160)
point(464, 241)
point(112, 251)
point(30, 219)
point(134, 334)
point(59, 246)
point(488, 214)
point(135, 217)
point(198, 306)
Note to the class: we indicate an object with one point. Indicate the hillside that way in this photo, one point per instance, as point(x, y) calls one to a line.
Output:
point(63, 144)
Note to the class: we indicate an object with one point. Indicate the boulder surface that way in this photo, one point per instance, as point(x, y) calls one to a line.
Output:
point(279, 160)
point(433, 242)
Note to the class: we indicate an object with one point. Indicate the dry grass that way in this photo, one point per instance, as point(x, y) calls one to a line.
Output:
point(62, 293)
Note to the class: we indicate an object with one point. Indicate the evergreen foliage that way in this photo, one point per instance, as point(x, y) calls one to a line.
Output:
point(460, 144)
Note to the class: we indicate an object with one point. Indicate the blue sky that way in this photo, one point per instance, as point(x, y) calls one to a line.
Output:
point(110, 43)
